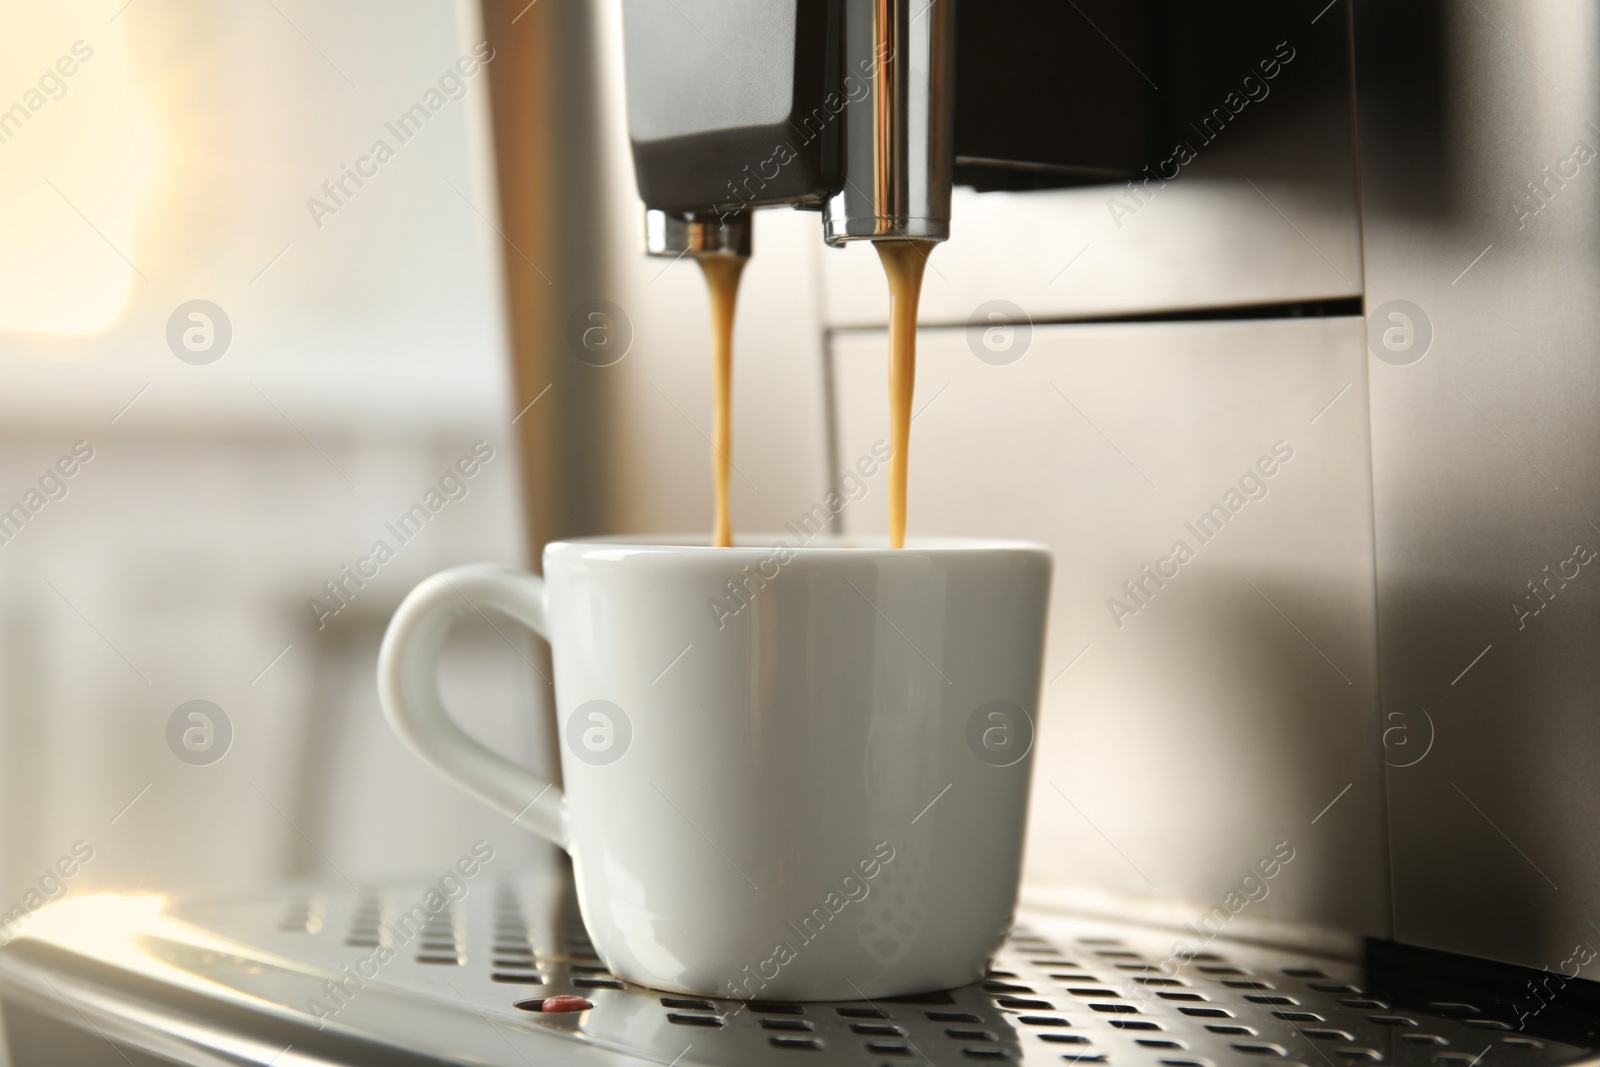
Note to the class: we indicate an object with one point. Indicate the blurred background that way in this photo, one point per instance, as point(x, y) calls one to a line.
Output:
point(343, 363)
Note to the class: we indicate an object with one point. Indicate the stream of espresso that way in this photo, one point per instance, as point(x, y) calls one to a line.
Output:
point(722, 279)
point(903, 262)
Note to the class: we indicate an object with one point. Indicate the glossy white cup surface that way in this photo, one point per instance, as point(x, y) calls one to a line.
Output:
point(791, 773)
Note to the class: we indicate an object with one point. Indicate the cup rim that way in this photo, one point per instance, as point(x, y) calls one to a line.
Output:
point(763, 544)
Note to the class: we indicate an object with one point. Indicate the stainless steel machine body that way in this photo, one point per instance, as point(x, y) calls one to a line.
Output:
point(1479, 216)
point(1358, 229)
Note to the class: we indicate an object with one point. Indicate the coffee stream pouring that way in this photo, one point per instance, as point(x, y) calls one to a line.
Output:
point(848, 112)
point(722, 279)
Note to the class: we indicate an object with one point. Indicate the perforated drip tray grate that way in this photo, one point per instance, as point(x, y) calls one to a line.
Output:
point(298, 975)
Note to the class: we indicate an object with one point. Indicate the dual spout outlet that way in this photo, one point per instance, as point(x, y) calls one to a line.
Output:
point(886, 108)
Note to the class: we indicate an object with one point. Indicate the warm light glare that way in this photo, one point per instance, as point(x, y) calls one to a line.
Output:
point(78, 152)
point(94, 921)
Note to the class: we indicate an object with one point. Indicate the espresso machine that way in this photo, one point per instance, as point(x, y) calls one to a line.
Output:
point(1270, 318)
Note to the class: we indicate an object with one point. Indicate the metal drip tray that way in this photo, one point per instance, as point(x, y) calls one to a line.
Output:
point(328, 977)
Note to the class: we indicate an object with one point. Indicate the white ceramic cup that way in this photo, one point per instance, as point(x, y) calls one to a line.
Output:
point(791, 773)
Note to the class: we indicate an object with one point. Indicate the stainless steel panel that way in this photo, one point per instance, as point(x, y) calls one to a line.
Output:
point(1265, 212)
point(1481, 213)
point(1237, 708)
point(689, 82)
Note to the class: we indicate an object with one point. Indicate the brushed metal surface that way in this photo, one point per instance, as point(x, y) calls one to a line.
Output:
point(559, 152)
point(1236, 709)
point(686, 81)
point(1265, 211)
point(1485, 456)
point(302, 976)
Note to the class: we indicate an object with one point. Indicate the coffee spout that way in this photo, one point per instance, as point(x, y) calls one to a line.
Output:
point(676, 234)
point(898, 68)
point(849, 112)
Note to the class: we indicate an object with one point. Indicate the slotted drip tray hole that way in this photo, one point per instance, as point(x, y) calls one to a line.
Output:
point(970, 1035)
point(775, 1007)
point(690, 1003)
point(800, 1025)
point(1089, 999)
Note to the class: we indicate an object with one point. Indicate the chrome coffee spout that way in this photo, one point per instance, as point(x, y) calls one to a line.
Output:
point(675, 234)
point(840, 106)
point(898, 74)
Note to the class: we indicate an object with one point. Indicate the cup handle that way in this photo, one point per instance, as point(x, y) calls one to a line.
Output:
point(408, 688)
